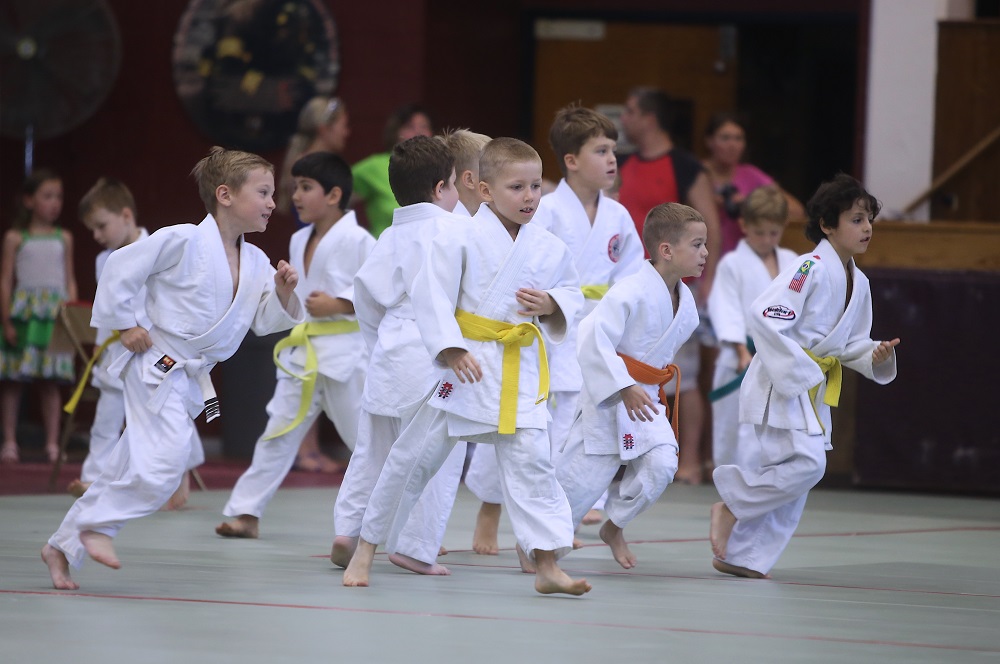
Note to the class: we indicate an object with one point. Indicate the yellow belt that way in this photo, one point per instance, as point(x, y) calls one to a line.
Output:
point(834, 373)
point(299, 336)
point(74, 400)
point(594, 291)
point(513, 338)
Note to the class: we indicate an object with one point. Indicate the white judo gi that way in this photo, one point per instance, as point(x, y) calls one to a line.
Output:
point(196, 322)
point(341, 362)
point(740, 277)
point(803, 308)
point(400, 374)
point(636, 319)
point(605, 252)
point(477, 268)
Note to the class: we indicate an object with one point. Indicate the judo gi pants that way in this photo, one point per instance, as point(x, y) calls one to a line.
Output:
point(424, 530)
point(768, 500)
point(109, 418)
point(272, 459)
point(144, 469)
point(536, 504)
point(584, 477)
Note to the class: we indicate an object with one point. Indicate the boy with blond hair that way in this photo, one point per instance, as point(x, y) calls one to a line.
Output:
point(466, 147)
point(322, 363)
point(479, 298)
point(422, 177)
point(601, 236)
point(108, 211)
point(205, 288)
point(741, 276)
point(626, 348)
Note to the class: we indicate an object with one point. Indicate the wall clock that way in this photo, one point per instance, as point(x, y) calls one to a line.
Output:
point(244, 68)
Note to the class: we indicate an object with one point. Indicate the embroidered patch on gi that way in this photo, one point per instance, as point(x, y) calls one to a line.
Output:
point(165, 363)
point(780, 312)
point(615, 248)
point(444, 390)
point(800, 277)
point(628, 442)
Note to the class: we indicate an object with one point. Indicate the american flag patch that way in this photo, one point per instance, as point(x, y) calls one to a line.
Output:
point(800, 277)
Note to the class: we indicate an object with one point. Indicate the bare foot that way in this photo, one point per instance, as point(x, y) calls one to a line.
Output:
point(343, 550)
point(442, 551)
point(243, 526)
point(551, 579)
point(484, 539)
point(9, 453)
point(360, 568)
point(100, 548)
point(77, 487)
point(577, 543)
point(420, 567)
point(688, 475)
point(723, 521)
point(58, 568)
point(592, 517)
point(614, 537)
point(52, 452)
point(180, 497)
point(736, 570)
point(527, 566)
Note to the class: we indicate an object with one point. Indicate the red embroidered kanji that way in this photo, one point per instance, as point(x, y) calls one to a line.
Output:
point(628, 441)
point(444, 391)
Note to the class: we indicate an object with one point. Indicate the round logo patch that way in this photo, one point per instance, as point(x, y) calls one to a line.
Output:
point(780, 312)
point(615, 248)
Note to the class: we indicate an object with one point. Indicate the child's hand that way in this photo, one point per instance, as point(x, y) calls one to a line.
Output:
point(884, 351)
point(638, 404)
point(285, 279)
point(136, 339)
point(321, 305)
point(535, 302)
point(464, 364)
point(10, 333)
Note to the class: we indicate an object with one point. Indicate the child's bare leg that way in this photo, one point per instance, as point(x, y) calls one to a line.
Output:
point(58, 568)
point(77, 487)
point(418, 566)
point(591, 517)
point(692, 413)
point(614, 537)
point(722, 524)
point(51, 407)
point(180, 497)
point(360, 568)
point(342, 550)
point(10, 403)
point(550, 578)
point(736, 570)
point(527, 566)
point(484, 539)
point(244, 526)
point(100, 548)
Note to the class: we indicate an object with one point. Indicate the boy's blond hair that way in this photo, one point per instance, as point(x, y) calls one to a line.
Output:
point(666, 223)
point(573, 126)
point(225, 167)
point(500, 153)
point(766, 203)
point(466, 147)
point(108, 194)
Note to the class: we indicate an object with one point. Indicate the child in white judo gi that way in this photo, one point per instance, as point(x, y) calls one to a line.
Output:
point(602, 237)
point(422, 177)
point(484, 288)
point(322, 363)
point(812, 320)
point(108, 211)
point(626, 348)
point(205, 288)
point(466, 147)
point(741, 276)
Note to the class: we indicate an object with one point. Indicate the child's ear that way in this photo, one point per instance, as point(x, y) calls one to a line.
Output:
point(665, 251)
point(570, 161)
point(128, 215)
point(484, 191)
point(469, 180)
point(823, 227)
point(223, 196)
point(335, 196)
point(438, 191)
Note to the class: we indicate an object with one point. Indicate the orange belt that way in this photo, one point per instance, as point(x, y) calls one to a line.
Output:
point(650, 375)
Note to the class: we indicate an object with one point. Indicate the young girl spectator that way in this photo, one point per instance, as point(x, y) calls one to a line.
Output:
point(323, 127)
point(732, 181)
point(36, 277)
